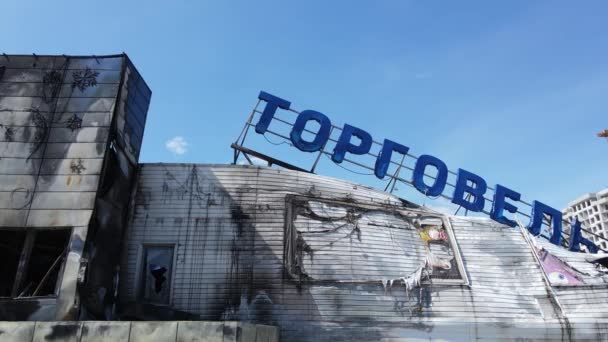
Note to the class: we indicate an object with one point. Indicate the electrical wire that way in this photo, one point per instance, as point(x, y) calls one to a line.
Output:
point(349, 170)
point(274, 143)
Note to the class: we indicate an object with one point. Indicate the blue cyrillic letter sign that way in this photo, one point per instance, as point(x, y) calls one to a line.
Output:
point(320, 138)
point(539, 210)
point(577, 238)
point(500, 205)
point(344, 145)
point(384, 158)
point(272, 103)
point(442, 175)
point(477, 190)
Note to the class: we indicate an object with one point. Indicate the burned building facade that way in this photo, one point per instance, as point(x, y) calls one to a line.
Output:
point(325, 259)
point(92, 241)
point(70, 129)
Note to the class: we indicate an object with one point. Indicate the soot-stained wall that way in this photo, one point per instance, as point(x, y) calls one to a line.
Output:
point(240, 252)
point(69, 142)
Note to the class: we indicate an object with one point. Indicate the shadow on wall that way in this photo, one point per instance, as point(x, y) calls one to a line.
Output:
point(41, 136)
point(224, 270)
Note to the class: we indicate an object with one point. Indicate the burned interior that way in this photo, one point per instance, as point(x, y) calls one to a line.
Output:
point(32, 261)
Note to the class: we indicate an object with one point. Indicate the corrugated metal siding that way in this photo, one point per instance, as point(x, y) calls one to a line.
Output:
point(581, 303)
point(497, 258)
point(132, 112)
point(228, 223)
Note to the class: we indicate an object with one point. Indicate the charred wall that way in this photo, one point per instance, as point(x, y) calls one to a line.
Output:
point(226, 226)
point(108, 223)
point(60, 142)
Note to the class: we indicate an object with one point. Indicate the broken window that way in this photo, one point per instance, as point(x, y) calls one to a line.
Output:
point(350, 242)
point(32, 261)
point(156, 274)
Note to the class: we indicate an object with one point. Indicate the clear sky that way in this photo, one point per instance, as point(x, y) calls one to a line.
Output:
point(515, 91)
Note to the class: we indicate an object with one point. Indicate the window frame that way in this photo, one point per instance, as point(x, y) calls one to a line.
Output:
point(141, 272)
point(288, 231)
point(25, 266)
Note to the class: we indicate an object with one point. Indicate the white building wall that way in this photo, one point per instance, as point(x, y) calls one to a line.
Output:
point(592, 211)
point(227, 224)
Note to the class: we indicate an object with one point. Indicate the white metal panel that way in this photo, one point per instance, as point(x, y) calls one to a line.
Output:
point(228, 223)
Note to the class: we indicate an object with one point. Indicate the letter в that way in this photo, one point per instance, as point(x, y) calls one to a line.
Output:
point(476, 190)
point(500, 205)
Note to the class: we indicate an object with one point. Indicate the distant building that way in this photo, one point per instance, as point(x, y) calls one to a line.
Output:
point(592, 211)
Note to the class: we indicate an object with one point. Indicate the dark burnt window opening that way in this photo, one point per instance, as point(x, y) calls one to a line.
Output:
point(156, 274)
point(10, 252)
point(32, 261)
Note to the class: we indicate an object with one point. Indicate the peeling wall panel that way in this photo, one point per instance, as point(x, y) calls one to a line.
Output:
point(51, 166)
point(131, 112)
point(10, 183)
point(58, 135)
point(19, 166)
point(12, 217)
point(66, 200)
point(24, 119)
point(70, 183)
point(76, 150)
point(30, 62)
point(71, 104)
point(70, 166)
point(58, 218)
point(47, 200)
point(85, 134)
point(53, 150)
point(35, 89)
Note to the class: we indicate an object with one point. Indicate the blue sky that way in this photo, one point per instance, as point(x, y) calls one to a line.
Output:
point(513, 91)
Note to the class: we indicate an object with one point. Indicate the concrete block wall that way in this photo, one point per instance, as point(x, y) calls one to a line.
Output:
point(170, 331)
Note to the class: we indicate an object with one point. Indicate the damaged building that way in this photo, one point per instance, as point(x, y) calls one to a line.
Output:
point(326, 259)
point(95, 244)
point(71, 130)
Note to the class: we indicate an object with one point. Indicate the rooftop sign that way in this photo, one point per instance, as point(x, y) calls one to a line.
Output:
point(429, 174)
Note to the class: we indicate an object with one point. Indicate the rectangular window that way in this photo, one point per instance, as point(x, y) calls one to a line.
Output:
point(32, 261)
point(334, 241)
point(156, 274)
